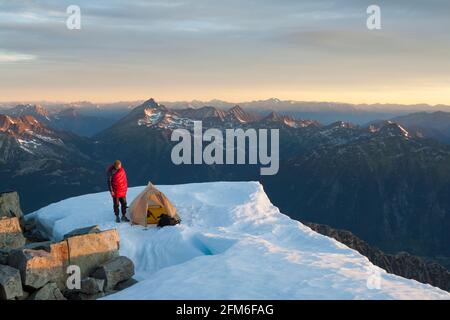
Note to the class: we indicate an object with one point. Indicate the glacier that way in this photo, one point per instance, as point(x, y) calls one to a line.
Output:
point(232, 243)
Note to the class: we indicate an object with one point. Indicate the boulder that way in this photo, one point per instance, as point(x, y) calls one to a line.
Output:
point(11, 236)
point(114, 271)
point(91, 286)
point(10, 283)
point(10, 205)
point(91, 250)
point(41, 263)
point(48, 292)
point(82, 231)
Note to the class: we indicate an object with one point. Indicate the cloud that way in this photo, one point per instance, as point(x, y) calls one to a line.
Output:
point(11, 57)
point(215, 44)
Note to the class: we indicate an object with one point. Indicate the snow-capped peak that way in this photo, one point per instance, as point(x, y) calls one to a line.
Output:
point(152, 114)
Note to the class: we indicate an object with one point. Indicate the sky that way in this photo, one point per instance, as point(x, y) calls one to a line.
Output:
point(235, 50)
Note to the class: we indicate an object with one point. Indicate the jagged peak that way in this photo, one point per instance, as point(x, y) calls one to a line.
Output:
point(394, 129)
point(29, 119)
point(150, 103)
point(235, 109)
point(239, 114)
point(23, 109)
point(148, 111)
point(389, 127)
point(19, 124)
point(5, 122)
point(274, 116)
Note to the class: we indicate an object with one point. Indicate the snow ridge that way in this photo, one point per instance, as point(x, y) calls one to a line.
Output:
point(232, 244)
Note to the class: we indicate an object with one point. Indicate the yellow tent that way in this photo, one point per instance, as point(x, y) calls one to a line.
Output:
point(150, 206)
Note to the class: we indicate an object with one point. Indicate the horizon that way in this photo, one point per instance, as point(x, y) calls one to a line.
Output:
point(303, 51)
point(13, 103)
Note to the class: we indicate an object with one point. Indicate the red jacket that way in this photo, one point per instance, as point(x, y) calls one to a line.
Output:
point(117, 182)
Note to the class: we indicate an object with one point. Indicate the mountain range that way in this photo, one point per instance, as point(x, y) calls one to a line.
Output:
point(434, 125)
point(45, 165)
point(67, 119)
point(387, 182)
point(324, 112)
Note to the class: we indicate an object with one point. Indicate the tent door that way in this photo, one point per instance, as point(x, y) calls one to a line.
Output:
point(154, 213)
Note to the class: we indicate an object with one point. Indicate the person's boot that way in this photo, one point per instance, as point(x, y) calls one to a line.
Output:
point(125, 219)
point(117, 219)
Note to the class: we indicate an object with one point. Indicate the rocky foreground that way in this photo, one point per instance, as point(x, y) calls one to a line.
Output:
point(35, 268)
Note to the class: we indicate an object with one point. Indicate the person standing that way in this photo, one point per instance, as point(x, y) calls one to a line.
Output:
point(118, 187)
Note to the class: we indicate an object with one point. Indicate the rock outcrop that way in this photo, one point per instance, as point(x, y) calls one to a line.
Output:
point(48, 292)
point(11, 236)
point(92, 286)
point(41, 263)
point(110, 277)
point(115, 271)
point(88, 251)
point(10, 283)
point(38, 270)
point(402, 264)
point(10, 205)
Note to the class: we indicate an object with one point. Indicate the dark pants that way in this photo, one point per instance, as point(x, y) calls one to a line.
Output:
point(123, 205)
